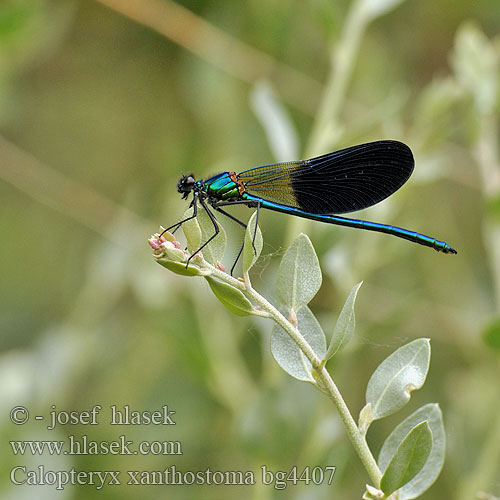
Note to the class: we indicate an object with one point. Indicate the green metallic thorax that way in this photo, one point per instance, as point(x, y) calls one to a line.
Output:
point(222, 187)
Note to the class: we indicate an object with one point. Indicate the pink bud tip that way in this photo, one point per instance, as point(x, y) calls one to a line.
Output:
point(155, 242)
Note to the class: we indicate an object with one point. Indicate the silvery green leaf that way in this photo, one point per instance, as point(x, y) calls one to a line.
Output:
point(251, 249)
point(435, 114)
point(365, 418)
point(198, 230)
point(286, 352)
point(232, 298)
point(409, 458)
point(299, 274)
point(376, 8)
point(477, 66)
point(174, 253)
point(429, 473)
point(214, 251)
point(372, 493)
point(397, 376)
point(192, 231)
point(179, 267)
point(280, 131)
point(344, 327)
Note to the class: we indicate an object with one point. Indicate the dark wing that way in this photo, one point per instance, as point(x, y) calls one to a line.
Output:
point(344, 181)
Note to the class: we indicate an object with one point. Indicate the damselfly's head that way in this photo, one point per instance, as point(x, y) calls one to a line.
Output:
point(185, 186)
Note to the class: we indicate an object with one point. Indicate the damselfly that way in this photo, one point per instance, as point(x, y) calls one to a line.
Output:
point(318, 189)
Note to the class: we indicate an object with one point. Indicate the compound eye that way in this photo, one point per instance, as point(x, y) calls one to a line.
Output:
point(186, 184)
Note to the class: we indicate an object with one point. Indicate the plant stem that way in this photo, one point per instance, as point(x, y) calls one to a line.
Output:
point(278, 318)
point(356, 437)
point(322, 379)
point(325, 380)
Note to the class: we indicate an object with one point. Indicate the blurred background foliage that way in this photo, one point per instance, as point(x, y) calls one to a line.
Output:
point(104, 104)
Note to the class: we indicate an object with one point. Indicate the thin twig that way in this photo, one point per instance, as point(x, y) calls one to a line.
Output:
point(221, 49)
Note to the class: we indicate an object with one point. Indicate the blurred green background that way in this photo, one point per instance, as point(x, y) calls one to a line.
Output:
point(104, 104)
